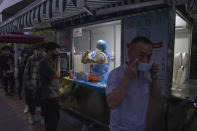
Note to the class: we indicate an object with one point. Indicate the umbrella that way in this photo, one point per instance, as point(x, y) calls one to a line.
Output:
point(20, 38)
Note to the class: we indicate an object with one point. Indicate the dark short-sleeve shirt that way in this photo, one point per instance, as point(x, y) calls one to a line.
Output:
point(49, 85)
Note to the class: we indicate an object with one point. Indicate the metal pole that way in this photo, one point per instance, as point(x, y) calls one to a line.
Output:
point(170, 57)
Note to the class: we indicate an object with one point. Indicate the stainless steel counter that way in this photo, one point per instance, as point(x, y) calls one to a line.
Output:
point(188, 89)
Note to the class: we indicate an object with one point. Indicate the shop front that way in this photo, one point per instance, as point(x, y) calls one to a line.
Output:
point(182, 83)
point(86, 97)
point(171, 35)
point(80, 26)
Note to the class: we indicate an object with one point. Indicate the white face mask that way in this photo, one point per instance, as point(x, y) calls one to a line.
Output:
point(98, 50)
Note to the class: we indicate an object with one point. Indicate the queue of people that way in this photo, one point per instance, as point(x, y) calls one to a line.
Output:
point(38, 76)
point(129, 86)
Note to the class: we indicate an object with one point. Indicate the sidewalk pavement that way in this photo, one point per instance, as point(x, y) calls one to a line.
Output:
point(13, 118)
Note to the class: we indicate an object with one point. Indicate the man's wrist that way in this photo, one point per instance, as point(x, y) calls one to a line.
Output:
point(58, 63)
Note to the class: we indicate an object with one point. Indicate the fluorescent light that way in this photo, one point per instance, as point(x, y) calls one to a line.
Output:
point(180, 22)
point(87, 10)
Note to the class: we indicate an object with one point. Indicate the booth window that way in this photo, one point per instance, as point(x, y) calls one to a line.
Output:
point(182, 53)
point(64, 5)
point(85, 38)
point(57, 4)
point(44, 7)
point(34, 15)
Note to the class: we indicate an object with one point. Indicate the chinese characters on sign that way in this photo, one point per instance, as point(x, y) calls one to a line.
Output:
point(154, 26)
point(64, 39)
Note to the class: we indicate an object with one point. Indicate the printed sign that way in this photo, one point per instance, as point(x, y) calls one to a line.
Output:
point(154, 26)
point(64, 39)
point(77, 32)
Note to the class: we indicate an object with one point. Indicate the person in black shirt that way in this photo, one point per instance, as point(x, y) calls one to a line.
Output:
point(21, 68)
point(7, 68)
point(49, 73)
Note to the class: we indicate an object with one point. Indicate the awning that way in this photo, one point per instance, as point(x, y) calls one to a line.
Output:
point(191, 8)
point(20, 39)
point(47, 11)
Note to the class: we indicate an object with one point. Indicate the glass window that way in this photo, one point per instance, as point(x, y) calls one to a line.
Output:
point(57, 4)
point(86, 40)
point(181, 52)
point(44, 7)
point(34, 15)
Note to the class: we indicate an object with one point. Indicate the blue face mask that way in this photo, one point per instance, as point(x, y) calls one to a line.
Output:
point(144, 67)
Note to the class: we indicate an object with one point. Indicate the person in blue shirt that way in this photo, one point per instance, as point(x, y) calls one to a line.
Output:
point(101, 61)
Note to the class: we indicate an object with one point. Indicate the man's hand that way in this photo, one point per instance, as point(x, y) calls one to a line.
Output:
point(156, 89)
point(58, 59)
point(90, 60)
point(131, 71)
point(87, 52)
point(57, 73)
point(154, 70)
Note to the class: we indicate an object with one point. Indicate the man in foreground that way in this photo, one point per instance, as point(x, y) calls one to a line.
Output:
point(130, 86)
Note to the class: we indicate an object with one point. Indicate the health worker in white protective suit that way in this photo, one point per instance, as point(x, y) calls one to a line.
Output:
point(100, 59)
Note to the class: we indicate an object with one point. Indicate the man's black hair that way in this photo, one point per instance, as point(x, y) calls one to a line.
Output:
point(139, 39)
point(49, 46)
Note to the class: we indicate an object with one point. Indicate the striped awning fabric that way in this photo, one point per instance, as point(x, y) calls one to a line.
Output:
point(45, 11)
point(191, 8)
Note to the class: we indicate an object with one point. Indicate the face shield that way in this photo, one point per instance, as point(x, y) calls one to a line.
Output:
point(101, 45)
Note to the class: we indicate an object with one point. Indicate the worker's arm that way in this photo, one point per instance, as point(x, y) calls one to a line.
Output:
point(115, 98)
point(100, 58)
point(88, 57)
point(91, 60)
point(156, 89)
